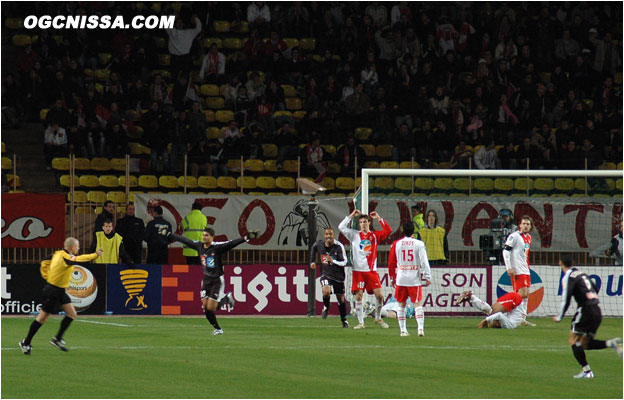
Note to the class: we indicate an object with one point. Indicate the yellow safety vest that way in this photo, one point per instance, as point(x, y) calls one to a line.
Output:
point(58, 271)
point(419, 223)
point(434, 242)
point(110, 255)
point(193, 225)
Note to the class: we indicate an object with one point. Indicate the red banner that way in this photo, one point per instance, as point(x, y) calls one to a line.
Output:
point(33, 220)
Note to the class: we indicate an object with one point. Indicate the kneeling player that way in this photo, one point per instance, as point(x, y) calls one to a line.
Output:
point(333, 261)
point(409, 256)
point(505, 313)
point(587, 318)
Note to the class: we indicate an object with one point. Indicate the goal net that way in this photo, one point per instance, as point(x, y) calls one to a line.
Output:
point(574, 212)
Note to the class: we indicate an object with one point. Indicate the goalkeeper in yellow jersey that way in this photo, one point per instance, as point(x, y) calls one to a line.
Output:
point(57, 273)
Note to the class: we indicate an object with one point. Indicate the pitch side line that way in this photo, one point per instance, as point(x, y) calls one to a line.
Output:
point(102, 323)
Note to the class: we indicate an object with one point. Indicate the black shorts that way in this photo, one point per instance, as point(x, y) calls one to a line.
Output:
point(338, 287)
point(210, 288)
point(587, 320)
point(54, 298)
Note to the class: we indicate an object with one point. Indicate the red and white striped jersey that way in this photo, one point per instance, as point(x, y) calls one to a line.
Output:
point(408, 264)
point(364, 245)
point(516, 253)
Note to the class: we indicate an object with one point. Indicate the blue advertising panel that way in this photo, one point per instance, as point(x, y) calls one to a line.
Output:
point(134, 290)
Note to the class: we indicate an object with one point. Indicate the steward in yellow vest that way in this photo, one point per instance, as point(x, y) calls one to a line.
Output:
point(193, 225)
point(434, 237)
point(112, 245)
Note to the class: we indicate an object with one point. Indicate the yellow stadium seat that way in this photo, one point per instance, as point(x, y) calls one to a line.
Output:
point(14, 23)
point(148, 181)
point(3, 147)
point(232, 43)
point(424, 184)
point(221, 26)
point(403, 183)
point(383, 151)
point(43, 113)
point(132, 194)
point(13, 180)
point(307, 44)
point(224, 116)
point(20, 40)
point(60, 164)
point(345, 183)
point(371, 164)
point(210, 115)
point(270, 165)
point(65, 181)
point(521, 184)
point(610, 184)
point(369, 150)
point(409, 165)
point(503, 184)
point(363, 133)
point(100, 164)
point(299, 114)
point(293, 103)
point(484, 184)
point(544, 184)
point(559, 195)
point(117, 197)
point(329, 149)
point(438, 195)
point(443, 184)
point(234, 164)
point(619, 165)
point(265, 182)
point(132, 181)
point(276, 194)
point(164, 60)
point(191, 182)
point(269, 150)
point(458, 195)
point(213, 133)
point(284, 113)
point(579, 195)
point(384, 183)
point(226, 182)
point(328, 183)
point(462, 184)
point(580, 184)
point(256, 194)
point(82, 164)
point(564, 184)
point(215, 103)
point(207, 182)
point(168, 182)
point(609, 165)
point(102, 74)
point(96, 196)
point(285, 183)
point(79, 196)
point(209, 41)
point(109, 181)
point(118, 164)
point(90, 181)
point(289, 91)
point(254, 165)
point(209, 90)
point(389, 164)
point(247, 182)
point(618, 185)
point(291, 166)
point(84, 210)
point(291, 42)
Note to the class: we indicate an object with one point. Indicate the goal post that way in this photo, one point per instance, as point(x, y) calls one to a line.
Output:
point(580, 222)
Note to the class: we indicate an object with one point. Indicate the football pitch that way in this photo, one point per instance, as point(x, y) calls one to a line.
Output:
point(169, 357)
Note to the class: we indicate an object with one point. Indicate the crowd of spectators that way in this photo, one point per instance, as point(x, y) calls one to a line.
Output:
point(534, 83)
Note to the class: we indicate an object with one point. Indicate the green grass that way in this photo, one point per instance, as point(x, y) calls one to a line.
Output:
point(162, 357)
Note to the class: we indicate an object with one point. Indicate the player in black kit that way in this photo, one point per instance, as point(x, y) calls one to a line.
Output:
point(333, 261)
point(587, 318)
point(210, 256)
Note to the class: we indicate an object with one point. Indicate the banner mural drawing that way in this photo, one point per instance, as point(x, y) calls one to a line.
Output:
point(282, 220)
point(22, 284)
point(33, 220)
point(134, 290)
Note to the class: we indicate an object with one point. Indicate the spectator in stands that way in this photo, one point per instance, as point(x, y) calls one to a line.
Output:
point(297, 20)
point(197, 123)
point(180, 41)
point(358, 106)
point(508, 156)
point(529, 155)
point(131, 230)
point(315, 158)
point(158, 89)
point(403, 145)
point(566, 47)
point(383, 125)
point(590, 154)
point(213, 66)
point(243, 107)
point(569, 158)
point(233, 139)
point(486, 157)
point(274, 44)
point(254, 138)
point(54, 143)
point(199, 158)
point(58, 114)
point(347, 154)
point(218, 159)
point(370, 78)
point(254, 47)
point(461, 158)
point(287, 142)
point(180, 138)
point(116, 140)
point(259, 16)
point(231, 91)
point(157, 140)
point(435, 239)
point(255, 87)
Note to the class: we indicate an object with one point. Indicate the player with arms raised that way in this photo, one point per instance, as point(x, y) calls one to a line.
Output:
point(587, 318)
point(516, 256)
point(364, 256)
point(409, 272)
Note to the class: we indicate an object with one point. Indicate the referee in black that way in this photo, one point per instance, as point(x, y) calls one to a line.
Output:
point(587, 318)
point(333, 260)
point(210, 257)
